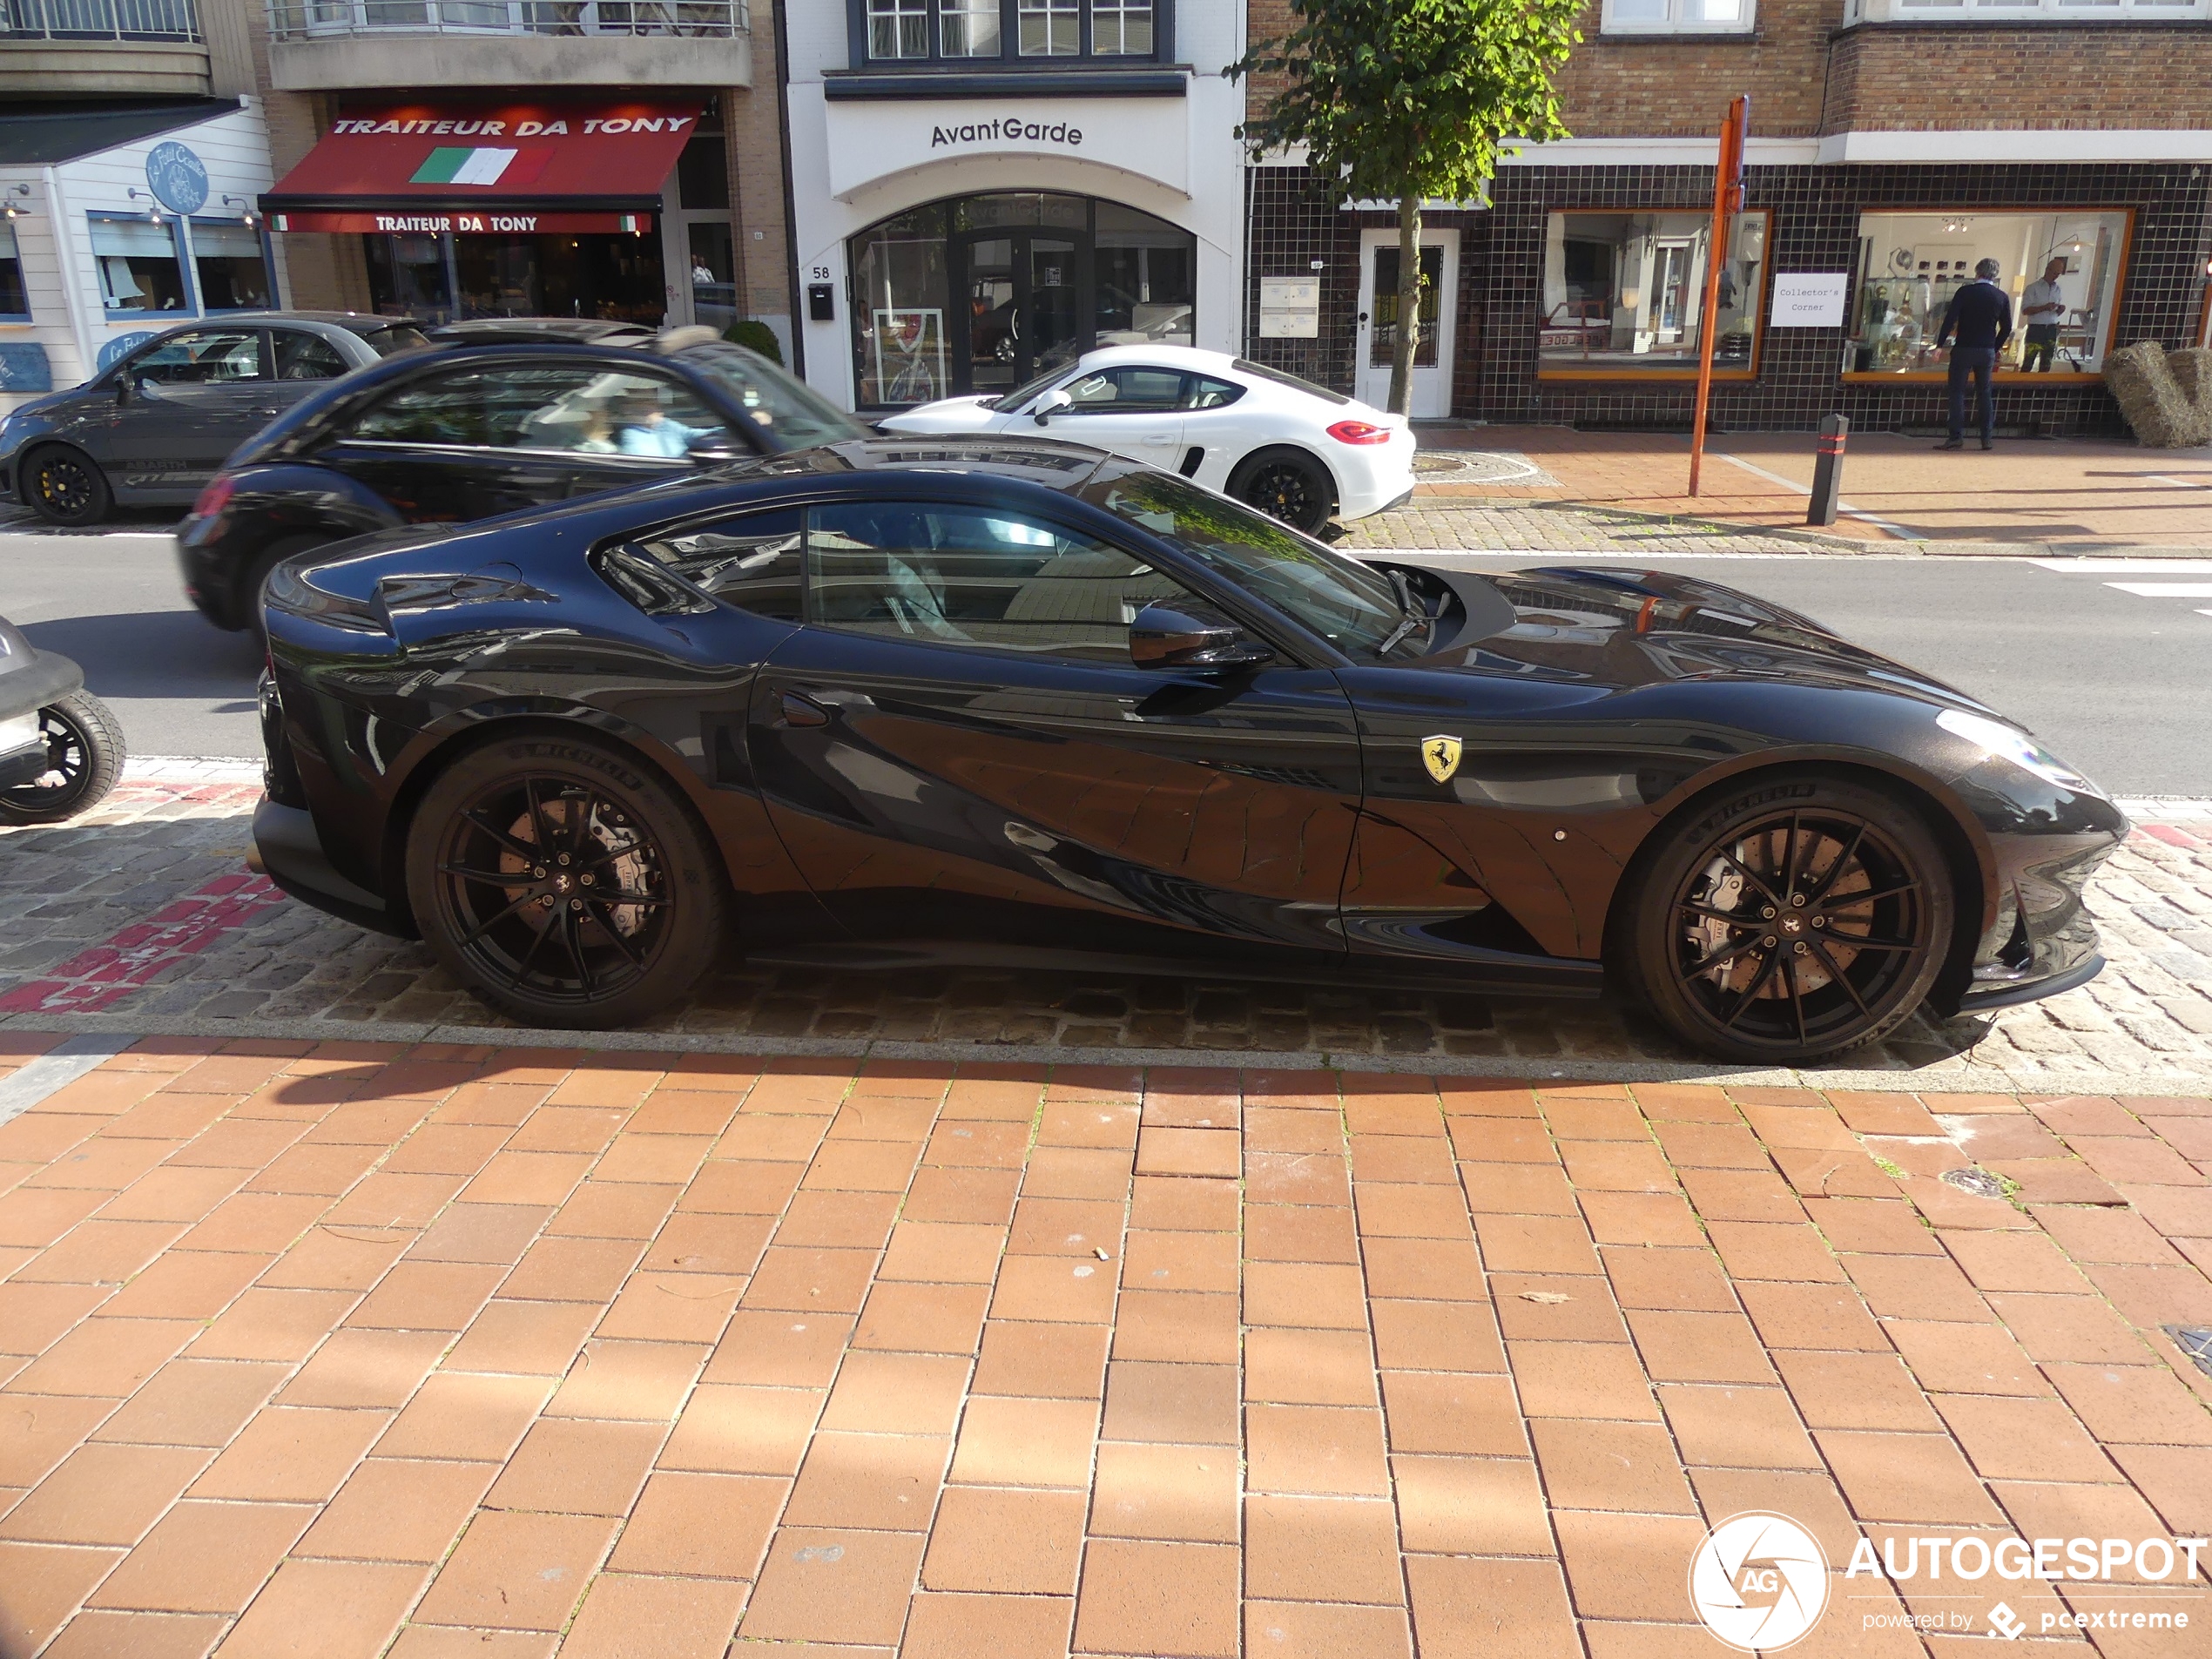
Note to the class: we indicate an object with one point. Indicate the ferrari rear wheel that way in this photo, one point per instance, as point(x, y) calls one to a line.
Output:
point(1806, 916)
point(1289, 485)
point(563, 884)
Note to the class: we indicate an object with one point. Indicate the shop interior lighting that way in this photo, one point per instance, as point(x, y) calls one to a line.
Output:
point(11, 211)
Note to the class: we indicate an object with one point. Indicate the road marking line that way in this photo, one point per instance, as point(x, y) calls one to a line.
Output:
point(1806, 490)
point(2178, 483)
point(2092, 566)
point(59, 1066)
point(2165, 589)
point(100, 977)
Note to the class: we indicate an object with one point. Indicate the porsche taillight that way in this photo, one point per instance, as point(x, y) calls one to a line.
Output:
point(1359, 431)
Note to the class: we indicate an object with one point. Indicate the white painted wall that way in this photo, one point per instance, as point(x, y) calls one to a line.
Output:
point(1203, 195)
point(67, 316)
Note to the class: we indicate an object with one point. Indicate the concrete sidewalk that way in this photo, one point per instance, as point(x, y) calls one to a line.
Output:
point(2045, 495)
point(350, 1348)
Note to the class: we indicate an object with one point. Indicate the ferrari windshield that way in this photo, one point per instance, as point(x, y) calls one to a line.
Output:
point(1358, 611)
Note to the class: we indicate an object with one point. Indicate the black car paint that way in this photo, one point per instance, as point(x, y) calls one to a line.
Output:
point(159, 448)
point(302, 475)
point(1599, 707)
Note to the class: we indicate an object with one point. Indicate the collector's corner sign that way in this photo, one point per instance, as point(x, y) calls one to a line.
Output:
point(1005, 129)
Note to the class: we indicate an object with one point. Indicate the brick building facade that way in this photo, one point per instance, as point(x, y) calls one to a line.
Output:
point(1888, 155)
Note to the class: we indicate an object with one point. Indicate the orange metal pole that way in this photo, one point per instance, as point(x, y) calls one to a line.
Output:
point(1727, 198)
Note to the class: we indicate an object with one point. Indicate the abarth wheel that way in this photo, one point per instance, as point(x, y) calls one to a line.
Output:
point(84, 759)
point(1805, 917)
point(563, 884)
point(64, 486)
point(1287, 485)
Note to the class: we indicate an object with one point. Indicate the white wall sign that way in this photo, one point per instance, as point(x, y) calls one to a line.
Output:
point(869, 140)
point(1809, 298)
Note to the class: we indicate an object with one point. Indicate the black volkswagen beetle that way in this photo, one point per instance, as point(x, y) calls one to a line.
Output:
point(905, 702)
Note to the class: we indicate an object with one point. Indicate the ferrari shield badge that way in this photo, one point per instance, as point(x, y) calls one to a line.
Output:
point(1440, 754)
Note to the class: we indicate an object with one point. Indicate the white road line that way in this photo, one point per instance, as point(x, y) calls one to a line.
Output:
point(61, 1065)
point(2165, 589)
point(2178, 483)
point(2125, 567)
point(1806, 490)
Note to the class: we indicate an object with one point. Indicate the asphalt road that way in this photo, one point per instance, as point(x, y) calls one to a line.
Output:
point(2118, 683)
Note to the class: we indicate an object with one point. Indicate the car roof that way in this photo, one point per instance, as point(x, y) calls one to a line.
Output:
point(358, 322)
point(1055, 464)
point(1190, 357)
point(530, 331)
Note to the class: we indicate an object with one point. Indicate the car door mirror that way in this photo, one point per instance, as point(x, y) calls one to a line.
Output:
point(1186, 636)
point(1050, 404)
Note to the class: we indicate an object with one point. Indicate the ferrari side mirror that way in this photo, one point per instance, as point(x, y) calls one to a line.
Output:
point(1186, 636)
point(1050, 404)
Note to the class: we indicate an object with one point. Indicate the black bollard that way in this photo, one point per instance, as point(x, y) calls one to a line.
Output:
point(1828, 470)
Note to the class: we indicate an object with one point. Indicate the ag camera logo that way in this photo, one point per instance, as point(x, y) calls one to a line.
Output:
point(1759, 1582)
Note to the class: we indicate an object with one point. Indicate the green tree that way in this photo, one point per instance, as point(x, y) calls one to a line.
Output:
point(1413, 99)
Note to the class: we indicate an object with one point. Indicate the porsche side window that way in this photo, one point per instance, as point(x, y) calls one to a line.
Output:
point(752, 562)
point(1130, 390)
point(973, 577)
point(1204, 392)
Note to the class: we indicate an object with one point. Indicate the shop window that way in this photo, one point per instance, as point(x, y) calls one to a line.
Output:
point(14, 298)
point(2066, 265)
point(714, 287)
point(406, 276)
point(982, 293)
point(141, 264)
point(703, 173)
point(226, 257)
point(1624, 295)
point(1678, 16)
point(1013, 32)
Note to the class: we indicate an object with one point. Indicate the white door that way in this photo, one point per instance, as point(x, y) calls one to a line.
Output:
point(1133, 409)
point(1432, 397)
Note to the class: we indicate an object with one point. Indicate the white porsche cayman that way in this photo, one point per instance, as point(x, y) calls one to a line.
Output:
point(1290, 448)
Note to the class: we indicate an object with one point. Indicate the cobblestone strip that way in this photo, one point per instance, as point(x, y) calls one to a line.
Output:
point(1430, 523)
point(280, 967)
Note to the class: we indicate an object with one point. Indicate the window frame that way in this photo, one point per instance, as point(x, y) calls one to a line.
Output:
point(1999, 376)
point(133, 365)
point(23, 278)
point(2075, 12)
point(1009, 58)
point(186, 278)
point(1745, 372)
point(269, 265)
point(1674, 26)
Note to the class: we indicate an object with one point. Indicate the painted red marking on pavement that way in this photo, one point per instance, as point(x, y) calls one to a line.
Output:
point(100, 977)
point(2171, 836)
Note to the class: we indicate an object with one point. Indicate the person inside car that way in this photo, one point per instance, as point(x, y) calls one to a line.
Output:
point(647, 430)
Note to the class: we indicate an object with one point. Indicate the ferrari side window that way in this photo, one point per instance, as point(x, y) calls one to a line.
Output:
point(974, 578)
point(751, 561)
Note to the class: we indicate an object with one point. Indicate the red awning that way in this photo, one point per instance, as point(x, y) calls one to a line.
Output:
point(611, 155)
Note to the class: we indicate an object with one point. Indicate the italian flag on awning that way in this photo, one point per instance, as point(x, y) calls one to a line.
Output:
point(464, 165)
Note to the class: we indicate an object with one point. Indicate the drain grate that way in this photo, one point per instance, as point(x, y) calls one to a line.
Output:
point(1981, 1183)
point(2194, 1340)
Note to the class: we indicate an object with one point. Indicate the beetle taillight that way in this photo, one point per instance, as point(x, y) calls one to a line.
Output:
point(214, 498)
point(1359, 431)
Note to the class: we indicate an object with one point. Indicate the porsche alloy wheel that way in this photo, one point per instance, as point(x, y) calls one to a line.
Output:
point(83, 761)
point(1807, 917)
point(563, 884)
point(1288, 486)
point(66, 488)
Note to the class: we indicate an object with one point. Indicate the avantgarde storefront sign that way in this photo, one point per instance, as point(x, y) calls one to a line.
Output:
point(1007, 130)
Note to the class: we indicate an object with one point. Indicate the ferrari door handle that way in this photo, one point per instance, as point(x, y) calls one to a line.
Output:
point(800, 711)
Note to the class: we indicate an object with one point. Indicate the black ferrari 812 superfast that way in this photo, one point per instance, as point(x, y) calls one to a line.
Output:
point(904, 701)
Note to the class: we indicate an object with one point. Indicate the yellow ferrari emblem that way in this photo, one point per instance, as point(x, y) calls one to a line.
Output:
point(1440, 754)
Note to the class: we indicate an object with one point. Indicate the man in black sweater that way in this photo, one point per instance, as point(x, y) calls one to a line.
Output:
point(1980, 316)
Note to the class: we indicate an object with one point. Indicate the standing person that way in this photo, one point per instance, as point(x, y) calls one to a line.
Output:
point(2043, 308)
point(1980, 316)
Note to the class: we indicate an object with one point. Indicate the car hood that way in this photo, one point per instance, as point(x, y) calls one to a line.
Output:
point(1622, 630)
point(947, 414)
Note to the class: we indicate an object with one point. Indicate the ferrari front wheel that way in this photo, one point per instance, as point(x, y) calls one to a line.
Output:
point(563, 884)
point(1804, 916)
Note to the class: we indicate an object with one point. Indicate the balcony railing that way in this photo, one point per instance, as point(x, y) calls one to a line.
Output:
point(320, 19)
point(177, 20)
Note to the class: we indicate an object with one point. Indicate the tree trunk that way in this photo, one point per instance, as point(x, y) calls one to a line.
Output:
point(1409, 303)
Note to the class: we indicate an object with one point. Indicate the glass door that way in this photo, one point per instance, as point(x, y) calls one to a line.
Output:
point(1024, 292)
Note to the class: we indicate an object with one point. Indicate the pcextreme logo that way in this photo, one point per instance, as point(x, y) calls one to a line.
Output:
point(1759, 1582)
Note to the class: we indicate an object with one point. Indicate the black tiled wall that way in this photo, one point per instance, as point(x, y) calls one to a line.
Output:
point(1815, 228)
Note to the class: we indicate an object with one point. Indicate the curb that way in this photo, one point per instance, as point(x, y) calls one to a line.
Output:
point(1952, 1079)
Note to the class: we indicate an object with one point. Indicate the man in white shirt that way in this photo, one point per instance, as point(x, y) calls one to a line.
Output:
point(2042, 308)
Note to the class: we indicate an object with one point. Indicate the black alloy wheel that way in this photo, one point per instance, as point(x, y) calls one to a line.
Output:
point(563, 884)
point(83, 761)
point(1285, 485)
point(1801, 920)
point(66, 487)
